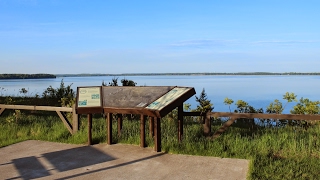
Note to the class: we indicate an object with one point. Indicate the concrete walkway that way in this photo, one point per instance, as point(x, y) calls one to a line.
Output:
point(47, 160)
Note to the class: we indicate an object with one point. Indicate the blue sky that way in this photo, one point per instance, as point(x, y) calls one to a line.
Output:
point(117, 36)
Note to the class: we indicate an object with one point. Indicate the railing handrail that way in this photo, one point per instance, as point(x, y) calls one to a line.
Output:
point(72, 128)
point(36, 108)
point(266, 116)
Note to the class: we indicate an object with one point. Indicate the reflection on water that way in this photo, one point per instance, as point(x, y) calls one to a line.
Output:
point(258, 91)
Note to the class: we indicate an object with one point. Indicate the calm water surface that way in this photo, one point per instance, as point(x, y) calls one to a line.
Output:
point(258, 91)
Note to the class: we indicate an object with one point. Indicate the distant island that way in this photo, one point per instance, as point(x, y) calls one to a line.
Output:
point(27, 76)
point(188, 74)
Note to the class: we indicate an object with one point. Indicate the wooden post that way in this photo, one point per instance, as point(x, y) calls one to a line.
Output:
point(180, 122)
point(119, 124)
point(207, 125)
point(142, 131)
point(89, 129)
point(109, 129)
point(1, 110)
point(157, 135)
point(151, 126)
point(75, 120)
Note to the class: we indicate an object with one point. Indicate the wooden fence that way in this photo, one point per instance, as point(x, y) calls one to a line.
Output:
point(72, 128)
point(235, 116)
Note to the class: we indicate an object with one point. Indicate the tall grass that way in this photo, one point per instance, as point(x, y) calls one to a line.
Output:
point(275, 153)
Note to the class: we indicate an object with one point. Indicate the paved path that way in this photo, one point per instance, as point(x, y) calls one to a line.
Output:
point(47, 160)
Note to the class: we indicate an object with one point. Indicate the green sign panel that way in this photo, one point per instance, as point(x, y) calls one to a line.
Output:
point(166, 99)
point(89, 97)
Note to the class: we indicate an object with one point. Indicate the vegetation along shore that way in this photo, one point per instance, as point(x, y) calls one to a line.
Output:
point(27, 76)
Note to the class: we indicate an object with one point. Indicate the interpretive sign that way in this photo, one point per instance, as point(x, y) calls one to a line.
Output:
point(152, 101)
point(89, 97)
point(155, 101)
point(166, 99)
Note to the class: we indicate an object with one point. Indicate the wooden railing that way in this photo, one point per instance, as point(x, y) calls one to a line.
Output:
point(72, 128)
point(234, 116)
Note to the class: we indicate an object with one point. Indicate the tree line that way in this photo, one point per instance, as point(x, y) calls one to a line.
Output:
point(26, 76)
point(191, 74)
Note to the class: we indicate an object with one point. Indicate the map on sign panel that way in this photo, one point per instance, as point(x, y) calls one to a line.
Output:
point(167, 98)
point(89, 97)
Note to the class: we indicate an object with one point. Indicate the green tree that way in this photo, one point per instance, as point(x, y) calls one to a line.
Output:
point(114, 82)
point(104, 83)
point(275, 107)
point(205, 105)
point(50, 92)
point(306, 106)
point(290, 97)
point(64, 94)
point(228, 102)
point(126, 82)
point(23, 91)
point(244, 107)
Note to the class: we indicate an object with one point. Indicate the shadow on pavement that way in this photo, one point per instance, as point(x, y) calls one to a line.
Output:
point(65, 160)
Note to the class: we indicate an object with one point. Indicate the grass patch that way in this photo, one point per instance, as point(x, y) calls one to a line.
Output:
point(275, 153)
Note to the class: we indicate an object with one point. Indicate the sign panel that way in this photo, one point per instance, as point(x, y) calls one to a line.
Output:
point(132, 96)
point(89, 97)
point(166, 99)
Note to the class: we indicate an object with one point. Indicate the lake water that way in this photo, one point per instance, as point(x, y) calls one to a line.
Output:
point(258, 91)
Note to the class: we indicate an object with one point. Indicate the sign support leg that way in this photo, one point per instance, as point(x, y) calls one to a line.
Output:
point(180, 122)
point(89, 129)
point(151, 126)
point(157, 135)
point(142, 131)
point(119, 124)
point(109, 124)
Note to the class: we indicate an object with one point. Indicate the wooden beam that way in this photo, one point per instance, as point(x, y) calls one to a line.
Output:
point(75, 120)
point(119, 124)
point(151, 126)
point(109, 127)
point(157, 135)
point(193, 113)
point(180, 122)
point(144, 111)
point(223, 128)
point(36, 108)
point(89, 129)
point(72, 128)
point(89, 110)
point(142, 131)
point(207, 125)
point(1, 110)
point(65, 121)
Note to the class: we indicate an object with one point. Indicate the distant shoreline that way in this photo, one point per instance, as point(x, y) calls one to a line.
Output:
point(53, 76)
point(189, 74)
point(27, 76)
